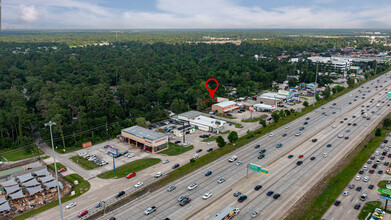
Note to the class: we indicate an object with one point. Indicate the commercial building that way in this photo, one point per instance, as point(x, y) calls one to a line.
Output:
point(224, 107)
point(184, 130)
point(270, 98)
point(146, 139)
point(200, 122)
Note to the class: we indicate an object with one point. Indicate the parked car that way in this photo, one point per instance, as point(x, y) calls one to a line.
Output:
point(175, 166)
point(62, 170)
point(130, 175)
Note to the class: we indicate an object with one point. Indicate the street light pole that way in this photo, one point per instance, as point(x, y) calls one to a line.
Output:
point(50, 124)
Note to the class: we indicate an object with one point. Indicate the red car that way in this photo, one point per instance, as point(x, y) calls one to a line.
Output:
point(346, 138)
point(301, 156)
point(130, 175)
point(62, 170)
point(82, 213)
point(371, 171)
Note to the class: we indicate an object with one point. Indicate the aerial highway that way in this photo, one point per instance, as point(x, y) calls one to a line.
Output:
point(286, 178)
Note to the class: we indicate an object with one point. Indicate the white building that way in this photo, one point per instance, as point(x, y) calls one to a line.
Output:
point(200, 122)
point(342, 63)
point(263, 107)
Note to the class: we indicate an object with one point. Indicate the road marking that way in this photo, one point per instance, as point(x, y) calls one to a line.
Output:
point(215, 196)
point(227, 198)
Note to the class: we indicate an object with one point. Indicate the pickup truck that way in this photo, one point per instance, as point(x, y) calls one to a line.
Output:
point(150, 210)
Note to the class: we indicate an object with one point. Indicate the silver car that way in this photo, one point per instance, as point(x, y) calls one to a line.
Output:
point(171, 188)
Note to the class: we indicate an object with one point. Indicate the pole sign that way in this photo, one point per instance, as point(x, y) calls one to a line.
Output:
point(389, 95)
point(251, 108)
point(385, 197)
point(388, 170)
point(255, 168)
point(385, 191)
point(113, 150)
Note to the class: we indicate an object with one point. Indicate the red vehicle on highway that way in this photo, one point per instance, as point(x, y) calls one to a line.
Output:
point(82, 213)
point(62, 170)
point(301, 156)
point(130, 175)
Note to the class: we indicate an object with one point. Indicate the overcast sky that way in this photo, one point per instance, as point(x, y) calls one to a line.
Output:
point(161, 14)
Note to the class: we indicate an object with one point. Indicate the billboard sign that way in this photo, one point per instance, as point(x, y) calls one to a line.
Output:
point(251, 108)
point(385, 191)
point(388, 170)
point(283, 92)
point(389, 94)
point(113, 150)
point(385, 197)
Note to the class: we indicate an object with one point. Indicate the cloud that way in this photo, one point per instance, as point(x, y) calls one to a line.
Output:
point(28, 14)
point(91, 14)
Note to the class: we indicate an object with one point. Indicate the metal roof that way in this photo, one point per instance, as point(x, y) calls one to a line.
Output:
point(10, 182)
point(53, 184)
point(11, 189)
point(17, 195)
point(5, 207)
point(34, 190)
point(43, 172)
point(143, 133)
point(25, 177)
point(190, 114)
point(34, 165)
point(3, 200)
point(32, 182)
point(225, 104)
point(46, 178)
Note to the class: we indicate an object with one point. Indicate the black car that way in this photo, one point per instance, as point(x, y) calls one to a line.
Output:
point(184, 201)
point(261, 156)
point(257, 146)
point(208, 173)
point(312, 158)
point(305, 123)
point(371, 186)
point(314, 140)
point(276, 196)
point(337, 202)
point(119, 194)
point(361, 172)
point(290, 156)
point(345, 119)
point(269, 193)
point(358, 188)
point(369, 162)
point(210, 149)
point(381, 158)
point(262, 151)
point(374, 166)
point(329, 145)
point(242, 198)
point(112, 218)
point(175, 166)
point(380, 172)
point(308, 118)
point(177, 142)
point(299, 163)
point(384, 153)
point(386, 163)
point(284, 135)
point(389, 155)
point(257, 187)
point(301, 128)
point(357, 206)
point(199, 150)
point(385, 141)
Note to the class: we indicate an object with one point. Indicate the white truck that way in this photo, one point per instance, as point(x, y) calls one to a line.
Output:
point(228, 213)
point(233, 158)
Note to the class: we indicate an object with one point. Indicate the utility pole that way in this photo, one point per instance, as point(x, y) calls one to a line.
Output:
point(316, 79)
point(39, 155)
point(50, 124)
point(375, 66)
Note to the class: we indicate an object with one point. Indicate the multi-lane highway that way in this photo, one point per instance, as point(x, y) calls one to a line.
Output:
point(285, 177)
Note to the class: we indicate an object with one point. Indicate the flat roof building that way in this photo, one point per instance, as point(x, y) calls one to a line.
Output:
point(224, 107)
point(270, 98)
point(263, 107)
point(200, 122)
point(144, 138)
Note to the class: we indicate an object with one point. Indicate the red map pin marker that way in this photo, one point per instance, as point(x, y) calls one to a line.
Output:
point(211, 91)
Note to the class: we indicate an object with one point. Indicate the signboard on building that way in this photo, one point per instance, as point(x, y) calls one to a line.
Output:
point(385, 191)
point(113, 150)
point(283, 92)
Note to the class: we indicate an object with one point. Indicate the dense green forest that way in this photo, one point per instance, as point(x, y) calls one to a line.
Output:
point(92, 92)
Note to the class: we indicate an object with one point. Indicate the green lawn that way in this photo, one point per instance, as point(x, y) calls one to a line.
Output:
point(131, 167)
point(382, 184)
point(254, 119)
point(210, 139)
point(79, 189)
point(176, 149)
point(225, 132)
point(19, 154)
point(225, 116)
point(84, 163)
point(59, 166)
point(369, 207)
point(237, 125)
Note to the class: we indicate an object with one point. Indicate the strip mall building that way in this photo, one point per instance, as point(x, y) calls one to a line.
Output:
point(145, 139)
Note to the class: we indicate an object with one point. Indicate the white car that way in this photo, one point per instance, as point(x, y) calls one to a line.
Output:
point(358, 178)
point(165, 161)
point(286, 127)
point(346, 193)
point(365, 167)
point(210, 142)
point(254, 214)
point(82, 154)
point(334, 126)
point(340, 135)
point(298, 134)
point(324, 155)
point(159, 174)
point(139, 184)
point(376, 153)
point(271, 135)
point(192, 186)
point(221, 180)
point(365, 179)
point(103, 163)
point(207, 195)
point(72, 204)
point(232, 159)
point(196, 156)
point(239, 163)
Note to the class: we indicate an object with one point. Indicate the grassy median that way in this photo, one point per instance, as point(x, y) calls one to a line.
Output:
point(369, 207)
point(176, 149)
point(254, 119)
point(84, 163)
point(20, 154)
point(131, 167)
point(79, 189)
point(59, 166)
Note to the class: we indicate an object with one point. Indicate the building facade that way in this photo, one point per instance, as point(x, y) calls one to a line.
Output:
point(145, 139)
point(224, 107)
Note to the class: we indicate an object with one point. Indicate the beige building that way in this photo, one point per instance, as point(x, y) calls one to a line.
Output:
point(146, 139)
point(224, 107)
